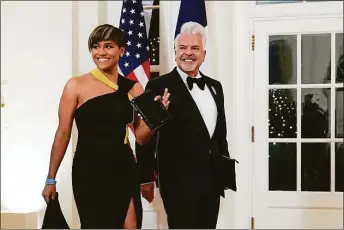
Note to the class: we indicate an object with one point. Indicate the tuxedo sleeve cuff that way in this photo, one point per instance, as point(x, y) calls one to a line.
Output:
point(147, 183)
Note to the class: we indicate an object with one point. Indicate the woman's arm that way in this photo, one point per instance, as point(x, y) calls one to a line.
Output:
point(67, 107)
point(142, 132)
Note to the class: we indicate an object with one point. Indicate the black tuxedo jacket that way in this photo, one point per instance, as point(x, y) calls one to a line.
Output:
point(185, 153)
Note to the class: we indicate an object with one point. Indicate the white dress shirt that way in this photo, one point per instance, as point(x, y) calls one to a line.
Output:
point(204, 101)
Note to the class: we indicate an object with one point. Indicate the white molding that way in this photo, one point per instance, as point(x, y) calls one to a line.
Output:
point(269, 11)
point(245, 14)
point(74, 136)
point(284, 12)
point(102, 12)
point(242, 116)
point(114, 12)
point(75, 37)
point(306, 200)
point(85, 17)
point(151, 7)
point(28, 220)
point(168, 16)
point(155, 68)
point(87, 20)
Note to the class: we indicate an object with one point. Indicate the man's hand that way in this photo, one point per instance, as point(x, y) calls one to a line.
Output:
point(148, 191)
point(164, 99)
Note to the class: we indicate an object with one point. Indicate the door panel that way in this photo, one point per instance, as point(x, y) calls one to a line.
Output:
point(298, 154)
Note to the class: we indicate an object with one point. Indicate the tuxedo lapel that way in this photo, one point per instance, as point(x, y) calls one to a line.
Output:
point(185, 106)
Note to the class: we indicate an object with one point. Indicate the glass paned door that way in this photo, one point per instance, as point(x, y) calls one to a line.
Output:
point(298, 154)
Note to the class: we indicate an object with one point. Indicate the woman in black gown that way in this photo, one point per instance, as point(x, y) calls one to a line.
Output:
point(104, 176)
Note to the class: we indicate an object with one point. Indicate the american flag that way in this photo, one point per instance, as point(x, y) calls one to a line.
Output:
point(135, 63)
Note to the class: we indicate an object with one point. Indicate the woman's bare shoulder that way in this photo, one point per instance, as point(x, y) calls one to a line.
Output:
point(83, 77)
point(74, 83)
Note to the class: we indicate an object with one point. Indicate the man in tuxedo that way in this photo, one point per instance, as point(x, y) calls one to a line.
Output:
point(190, 145)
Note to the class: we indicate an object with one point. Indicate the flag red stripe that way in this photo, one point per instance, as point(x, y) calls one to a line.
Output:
point(146, 67)
point(132, 76)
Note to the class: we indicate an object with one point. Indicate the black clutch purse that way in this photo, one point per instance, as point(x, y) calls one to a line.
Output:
point(153, 113)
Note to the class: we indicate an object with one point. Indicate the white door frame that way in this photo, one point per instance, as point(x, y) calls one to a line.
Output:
point(256, 13)
point(294, 202)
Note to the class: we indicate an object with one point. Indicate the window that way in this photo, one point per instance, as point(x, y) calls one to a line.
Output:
point(321, 126)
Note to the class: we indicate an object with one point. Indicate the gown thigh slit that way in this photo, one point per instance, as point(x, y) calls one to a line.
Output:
point(128, 217)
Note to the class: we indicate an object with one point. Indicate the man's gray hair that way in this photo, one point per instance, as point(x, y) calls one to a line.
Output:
point(192, 28)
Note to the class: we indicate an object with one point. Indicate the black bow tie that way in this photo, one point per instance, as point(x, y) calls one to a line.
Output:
point(199, 81)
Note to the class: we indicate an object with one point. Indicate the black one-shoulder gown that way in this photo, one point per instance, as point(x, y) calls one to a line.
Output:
point(105, 173)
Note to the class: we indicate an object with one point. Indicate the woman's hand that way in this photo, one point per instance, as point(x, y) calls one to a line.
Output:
point(49, 191)
point(164, 99)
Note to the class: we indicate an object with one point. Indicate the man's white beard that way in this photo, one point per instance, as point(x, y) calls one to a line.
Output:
point(188, 67)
